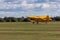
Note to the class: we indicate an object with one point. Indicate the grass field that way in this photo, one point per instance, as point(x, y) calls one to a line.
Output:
point(29, 31)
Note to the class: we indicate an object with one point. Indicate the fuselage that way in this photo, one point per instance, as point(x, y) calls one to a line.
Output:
point(40, 18)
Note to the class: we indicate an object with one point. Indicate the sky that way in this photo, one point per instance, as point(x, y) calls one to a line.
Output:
point(19, 8)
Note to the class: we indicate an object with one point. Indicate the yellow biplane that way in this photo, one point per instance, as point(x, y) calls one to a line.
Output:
point(38, 19)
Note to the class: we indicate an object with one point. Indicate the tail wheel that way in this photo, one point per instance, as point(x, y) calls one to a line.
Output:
point(33, 21)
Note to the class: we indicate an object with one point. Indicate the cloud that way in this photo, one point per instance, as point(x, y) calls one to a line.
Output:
point(14, 14)
point(45, 6)
point(54, 0)
point(25, 5)
point(1, 0)
point(16, 6)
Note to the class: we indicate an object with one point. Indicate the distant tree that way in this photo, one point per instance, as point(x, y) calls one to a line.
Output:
point(10, 19)
point(57, 18)
point(21, 19)
point(13, 19)
point(6, 19)
point(1, 20)
point(18, 19)
point(26, 20)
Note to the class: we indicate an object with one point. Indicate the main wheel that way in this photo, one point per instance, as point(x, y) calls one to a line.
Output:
point(37, 22)
point(33, 22)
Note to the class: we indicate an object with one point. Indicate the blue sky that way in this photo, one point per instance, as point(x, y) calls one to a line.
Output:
point(18, 8)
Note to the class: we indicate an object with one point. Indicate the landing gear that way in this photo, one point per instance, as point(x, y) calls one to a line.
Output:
point(33, 22)
point(37, 22)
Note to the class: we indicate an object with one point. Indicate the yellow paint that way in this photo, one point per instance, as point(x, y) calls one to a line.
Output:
point(40, 18)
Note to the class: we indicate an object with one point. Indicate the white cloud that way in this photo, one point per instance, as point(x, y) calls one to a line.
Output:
point(38, 5)
point(55, 0)
point(1, 0)
point(8, 6)
point(14, 14)
point(15, 4)
point(23, 4)
point(45, 6)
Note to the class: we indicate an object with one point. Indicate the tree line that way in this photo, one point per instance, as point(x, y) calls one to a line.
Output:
point(14, 19)
point(57, 18)
point(22, 19)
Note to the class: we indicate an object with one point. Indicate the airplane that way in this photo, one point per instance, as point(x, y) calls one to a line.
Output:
point(38, 19)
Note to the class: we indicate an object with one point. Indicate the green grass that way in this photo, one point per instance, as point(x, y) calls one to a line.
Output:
point(29, 31)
